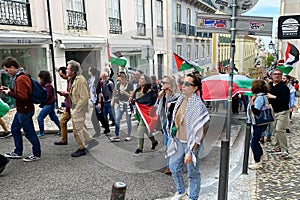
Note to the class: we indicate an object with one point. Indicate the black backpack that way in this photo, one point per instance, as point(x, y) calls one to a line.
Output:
point(39, 93)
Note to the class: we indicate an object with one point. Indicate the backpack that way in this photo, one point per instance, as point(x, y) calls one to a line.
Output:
point(39, 93)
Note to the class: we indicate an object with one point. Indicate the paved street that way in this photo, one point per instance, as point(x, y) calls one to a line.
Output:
point(59, 176)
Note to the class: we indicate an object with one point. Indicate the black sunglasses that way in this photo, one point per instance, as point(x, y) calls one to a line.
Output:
point(188, 84)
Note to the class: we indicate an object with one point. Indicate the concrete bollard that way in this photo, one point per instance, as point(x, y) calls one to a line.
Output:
point(118, 191)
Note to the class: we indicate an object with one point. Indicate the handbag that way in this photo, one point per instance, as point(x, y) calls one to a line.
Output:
point(297, 94)
point(266, 115)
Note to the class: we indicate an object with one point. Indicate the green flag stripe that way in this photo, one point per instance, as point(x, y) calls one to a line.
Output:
point(244, 83)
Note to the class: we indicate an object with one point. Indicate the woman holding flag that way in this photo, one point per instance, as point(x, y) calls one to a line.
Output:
point(144, 98)
point(190, 121)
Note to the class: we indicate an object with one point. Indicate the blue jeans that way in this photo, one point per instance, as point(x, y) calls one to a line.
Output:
point(119, 112)
point(255, 145)
point(176, 163)
point(270, 129)
point(25, 121)
point(47, 110)
point(107, 110)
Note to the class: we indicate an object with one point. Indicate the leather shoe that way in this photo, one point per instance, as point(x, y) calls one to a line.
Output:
point(78, 153)
point(60, 143)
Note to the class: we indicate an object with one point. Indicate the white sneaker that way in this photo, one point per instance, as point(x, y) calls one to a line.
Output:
point(256, 166)
point(128, 138)
point(178, 196)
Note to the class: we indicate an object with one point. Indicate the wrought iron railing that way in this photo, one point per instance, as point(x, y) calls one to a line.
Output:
point(115, 26)
point(180, 28)
point(190, 30)
point(160, 31)
point(141, 28)
point(15, 13)
point(76, 20)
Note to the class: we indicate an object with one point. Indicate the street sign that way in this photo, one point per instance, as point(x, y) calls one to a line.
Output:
point(242, 5)
point(245, 25)
point(289, 27)
point(147, 52)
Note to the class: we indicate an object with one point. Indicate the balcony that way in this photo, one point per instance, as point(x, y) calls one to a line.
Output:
point(76, 20)
point(180, 28)
point(141, 29)
point(160, 31)
point(15, 13)
point(190, 30)
point(115, 26)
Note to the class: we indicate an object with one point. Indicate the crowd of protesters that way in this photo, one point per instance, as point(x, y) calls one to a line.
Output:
point(181, 114)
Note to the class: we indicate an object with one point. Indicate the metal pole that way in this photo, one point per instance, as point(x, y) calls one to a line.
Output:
point(152, 38)
point(52, 49)
point(247, 147)
point(223, 181)
point(118, 191)
point(223, 175)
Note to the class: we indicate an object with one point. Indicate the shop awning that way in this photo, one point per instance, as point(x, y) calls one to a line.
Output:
point(79, 42)
point(23, 38)
point(129, 44)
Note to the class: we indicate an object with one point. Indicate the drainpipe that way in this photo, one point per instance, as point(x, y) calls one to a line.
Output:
point(52, 50)
point(152, 36)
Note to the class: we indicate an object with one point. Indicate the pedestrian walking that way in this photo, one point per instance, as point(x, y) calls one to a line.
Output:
point(66, 115)
point(279, 97)
point(6, 132)
point(106, 88)
point(146, 96)
point(287, 80)
point(123, 91)
point(22, 88)
point(188, 128)
point(258, 100)
point(79, 96)
point(93, 82)
point(48, 108)
point(166, 101)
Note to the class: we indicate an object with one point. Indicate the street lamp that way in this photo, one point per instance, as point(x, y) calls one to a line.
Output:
point(272, 47)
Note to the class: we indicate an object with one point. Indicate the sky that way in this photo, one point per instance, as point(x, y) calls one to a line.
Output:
point(267, 8)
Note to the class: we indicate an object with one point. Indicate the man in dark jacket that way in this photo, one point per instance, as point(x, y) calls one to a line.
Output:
point(22, 88)
point(279, 98)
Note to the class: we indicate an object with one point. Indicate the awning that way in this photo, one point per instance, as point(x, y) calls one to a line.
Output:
point(23, 38)
point(78, 42)
point(128, 44)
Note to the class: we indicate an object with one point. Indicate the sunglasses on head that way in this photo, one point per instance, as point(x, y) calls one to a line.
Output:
point(163, 82)
point(188, 84)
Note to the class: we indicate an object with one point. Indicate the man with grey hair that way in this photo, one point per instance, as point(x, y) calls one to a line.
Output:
point(105, 93)
point(79, 96)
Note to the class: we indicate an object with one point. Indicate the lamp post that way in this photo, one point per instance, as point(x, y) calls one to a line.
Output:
point(273, 47)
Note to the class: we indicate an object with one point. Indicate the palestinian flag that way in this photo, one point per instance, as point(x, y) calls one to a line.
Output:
point(291, 57)
point(115, 57)
point(147, 110)
point(215, 87)
point(183, 64)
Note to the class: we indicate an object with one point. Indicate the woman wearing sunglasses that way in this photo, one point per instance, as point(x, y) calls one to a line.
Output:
point(166, 100)
point(188, 127)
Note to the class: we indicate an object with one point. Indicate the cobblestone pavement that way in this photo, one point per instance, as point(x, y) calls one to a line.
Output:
point(280, 179)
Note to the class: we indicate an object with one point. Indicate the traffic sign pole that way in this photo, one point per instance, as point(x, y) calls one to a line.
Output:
point(224, 169)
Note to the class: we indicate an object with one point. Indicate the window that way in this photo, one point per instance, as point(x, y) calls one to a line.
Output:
point(196, 51)
point(188, 51)
point(159, 14)
point(76, 5)
point(15, 13)
point(208, 50)
point(76, 14)
point(188, 16)
point(114, 15)
point(202, 49)
point(140, 17)
point(179, 49)
point(178, 13)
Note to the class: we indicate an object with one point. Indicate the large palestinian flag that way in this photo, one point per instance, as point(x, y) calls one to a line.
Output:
point(183, 64)
point(291, 57)
point(215, 87)
point(147, 110)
